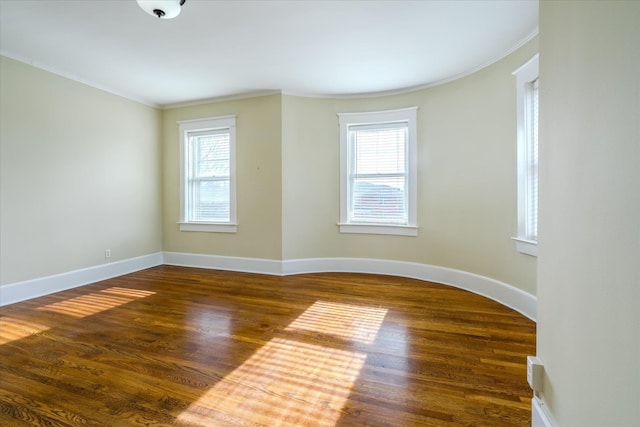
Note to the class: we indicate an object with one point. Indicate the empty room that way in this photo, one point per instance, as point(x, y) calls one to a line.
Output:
point(319, 213)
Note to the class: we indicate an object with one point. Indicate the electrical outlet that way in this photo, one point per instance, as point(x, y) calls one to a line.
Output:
point(534, 373)
point(107, 253)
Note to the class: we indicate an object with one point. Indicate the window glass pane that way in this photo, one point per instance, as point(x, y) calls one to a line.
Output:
point(379, 151)
point(532, 174)
point(211, 201)
point(379, 200)
point(378, 174)
point(209, 183)
point(212, 155)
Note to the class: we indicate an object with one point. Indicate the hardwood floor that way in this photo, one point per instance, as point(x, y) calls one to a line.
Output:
point(183, 346)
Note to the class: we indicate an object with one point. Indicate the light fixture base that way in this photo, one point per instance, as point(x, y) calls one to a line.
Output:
point(163, 9)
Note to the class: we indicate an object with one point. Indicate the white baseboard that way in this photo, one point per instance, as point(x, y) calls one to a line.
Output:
point(501, 292)
point(538, 416)
point(20, 291)
point(246, 265)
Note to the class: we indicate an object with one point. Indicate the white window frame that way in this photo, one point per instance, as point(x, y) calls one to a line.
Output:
point(198, 126)
point(526, 76)
point(408, 115)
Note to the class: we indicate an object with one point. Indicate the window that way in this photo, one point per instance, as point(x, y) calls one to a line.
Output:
point(378, 172)
point(207, 175)
point(527, 98)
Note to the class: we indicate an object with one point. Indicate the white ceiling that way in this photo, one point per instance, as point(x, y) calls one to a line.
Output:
point(225, 48)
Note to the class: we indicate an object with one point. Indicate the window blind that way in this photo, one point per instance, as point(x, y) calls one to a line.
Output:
point(532, 173)
point(209, 176)
point(378, 173)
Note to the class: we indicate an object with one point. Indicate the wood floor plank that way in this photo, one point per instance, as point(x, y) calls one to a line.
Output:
point(176, 346)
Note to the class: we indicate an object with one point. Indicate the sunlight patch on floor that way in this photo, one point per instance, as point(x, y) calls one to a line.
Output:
point(291, 382)
point(284, 382)
point(350, 322)
point(96, 302)
point(12, 329)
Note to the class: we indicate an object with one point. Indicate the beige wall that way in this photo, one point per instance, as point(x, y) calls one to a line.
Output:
point(259, 180)
point(466, 177)
point(79, 174)
point(589, 254)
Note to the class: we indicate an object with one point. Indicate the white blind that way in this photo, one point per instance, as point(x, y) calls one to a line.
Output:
point(532, 173)
point(209, 176)
point(378, 173)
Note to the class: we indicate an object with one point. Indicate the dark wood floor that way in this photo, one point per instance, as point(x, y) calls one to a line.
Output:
point(183, 346)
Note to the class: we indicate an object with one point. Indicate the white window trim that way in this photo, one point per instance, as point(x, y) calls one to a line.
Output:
point(210, 123)
point(408, 115)
point(525, 246)
point(525, 75)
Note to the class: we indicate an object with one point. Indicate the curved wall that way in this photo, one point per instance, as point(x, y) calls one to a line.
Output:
point(288, 160)
point(466, 177)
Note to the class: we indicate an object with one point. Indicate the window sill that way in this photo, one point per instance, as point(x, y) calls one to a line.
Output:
point(208, 227)
point(398, 230)
point(525, 246)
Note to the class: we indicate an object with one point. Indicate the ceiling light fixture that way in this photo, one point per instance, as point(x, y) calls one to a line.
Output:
point(163, 9)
